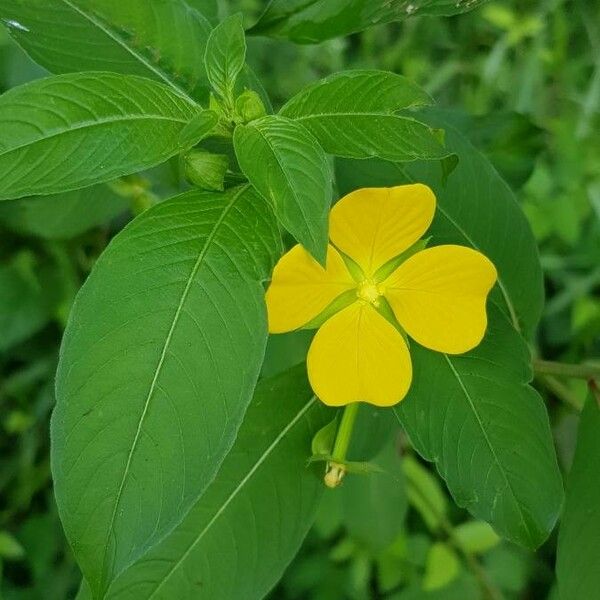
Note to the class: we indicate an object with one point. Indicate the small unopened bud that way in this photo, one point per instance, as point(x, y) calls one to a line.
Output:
point(334, 475)
point(206, 170)
point(249, 106)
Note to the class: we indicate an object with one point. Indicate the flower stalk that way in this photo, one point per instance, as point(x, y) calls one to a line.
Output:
point(336, 469)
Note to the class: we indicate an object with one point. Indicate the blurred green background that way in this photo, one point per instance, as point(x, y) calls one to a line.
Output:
point(524, 80)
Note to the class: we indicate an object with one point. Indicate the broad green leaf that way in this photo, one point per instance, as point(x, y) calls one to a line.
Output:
point(285, 163)
point(71, 131)
point(158, 363)
point(312, 21)
point(579, 537)
point(356, 92)
point(488, 433)
point(375, 504)
point(248, 524)
point(476, 208)
point(123, 36)
point(351, 115)
point(225, 55)
point(23, 307)
point(65, 215)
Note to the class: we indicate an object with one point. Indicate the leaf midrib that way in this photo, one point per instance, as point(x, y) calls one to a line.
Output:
point(91, 124)
point(503, 289)
point(488, 442)
point(161, 360)
point(264, 456)
point(116, 38)
point(290, 186)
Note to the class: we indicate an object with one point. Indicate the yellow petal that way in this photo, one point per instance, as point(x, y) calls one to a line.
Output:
point(359, 356)
point(374, 225)
point(439, 295)
point(301, 288)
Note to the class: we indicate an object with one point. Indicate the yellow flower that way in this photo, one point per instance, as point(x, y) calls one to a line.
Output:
point(437, 296)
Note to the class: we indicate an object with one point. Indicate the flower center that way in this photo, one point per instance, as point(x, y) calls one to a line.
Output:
point(369, 292)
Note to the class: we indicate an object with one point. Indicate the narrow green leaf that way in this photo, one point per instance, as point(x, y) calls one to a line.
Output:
point(579, 536)
point(128, 37)
point(71, 131)
point(159, 361)
point(312, 21)
point(351, 115)
point(285, 164)
point(488, 433)
point(198, 128)
point(65, 215)
point(225, 55)
point(475, 207)
point(248, 524)
point(425, 493)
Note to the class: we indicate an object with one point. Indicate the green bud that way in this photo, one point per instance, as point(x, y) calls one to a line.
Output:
point(249, 106)
point(206, 170)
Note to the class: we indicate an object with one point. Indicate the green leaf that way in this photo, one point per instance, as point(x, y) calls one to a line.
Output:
point(23, 307)
point(488, 433)
point(284, 162)
point(127, 37)
point(65, 215)
point(579, 536)
point(71, 131)
point(208, 8)
point(248, 524)
point(198, 128)
point(312, 21)
point(10, 549)
point(356, 92)
point(351, 115)
point(158, 363)
point(425, 493)
point(375, 504)
point(476, 208)
point(443, 567)
point(225, 55)
point(476, 536)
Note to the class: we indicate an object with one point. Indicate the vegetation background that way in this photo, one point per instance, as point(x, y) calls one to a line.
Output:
point(523, 78)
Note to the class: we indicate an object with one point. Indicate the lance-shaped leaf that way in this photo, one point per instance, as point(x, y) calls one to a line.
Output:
point(352, 115)
point(285, 163)
point(225, 55)
point(71, 131)
point(248, 524)
point(312, 21)
point(488, 432)
point(579, 536)
point(128, 37)
point(475, 207)
point(159, 361)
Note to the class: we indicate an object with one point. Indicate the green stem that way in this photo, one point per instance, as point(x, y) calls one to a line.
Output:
point(546, 367)
point(488, 589)
point(561, 391)
point(336, 466)
point(344, 432)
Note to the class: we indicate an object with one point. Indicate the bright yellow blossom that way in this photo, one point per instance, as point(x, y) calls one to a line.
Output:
point(436, 296)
